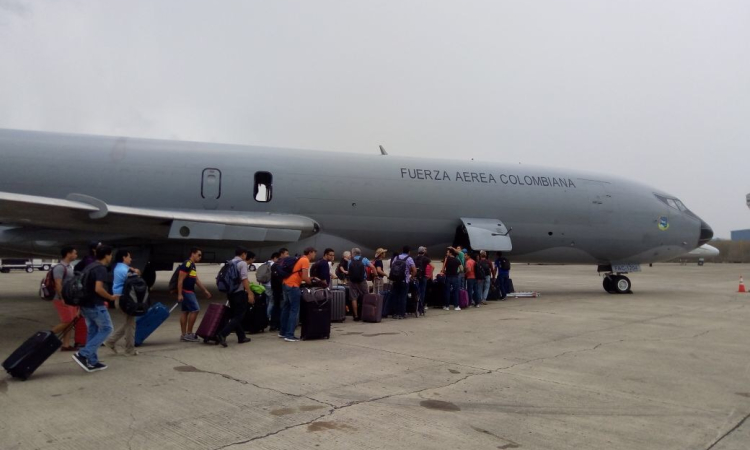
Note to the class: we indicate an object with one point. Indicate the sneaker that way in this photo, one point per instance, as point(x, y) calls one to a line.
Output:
point(445, 308)
point(281, 336)
point(82, 361)
point(221, 340)
point(190, 337)
point(425, 308)
point(292, 339)
point(97, 367)
point(484, 302)
point(247, 339)
point(458, 308)
point(111, 346)
point(477, 305)
point(184, 338)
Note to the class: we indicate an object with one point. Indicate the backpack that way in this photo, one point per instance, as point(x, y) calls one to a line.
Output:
point(485, 268)
point(285, 267)
point(479, 272)
point(263, 275)
point(422, 262)
point(398, 270)
point(174, 280)
point(228, 279)
point(504, 264)
point(48, 288)
point(314, 269)
point(357, 272)
point(75, 290)
point(134, 300)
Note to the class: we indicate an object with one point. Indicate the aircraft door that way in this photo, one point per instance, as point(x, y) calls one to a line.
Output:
point(211, 188)
point(487, 234)
point(601, 205)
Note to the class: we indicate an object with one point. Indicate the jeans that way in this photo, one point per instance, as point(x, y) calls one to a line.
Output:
point(127, 329)
point(452, 286)
point(100, 327)
point(237, 308)
point(422, 288)
point(486, 287)
point(270, 297)
point(289, 311)
point(471, 289)
point(502, 284)
point(399, 291)
point(461, 281)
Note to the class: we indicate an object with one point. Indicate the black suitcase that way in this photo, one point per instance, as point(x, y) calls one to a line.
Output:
point(316, 314)
point(256, 318)
point(511, 289)
point(32, 354)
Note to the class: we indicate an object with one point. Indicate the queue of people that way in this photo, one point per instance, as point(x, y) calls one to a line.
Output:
point(281, 276)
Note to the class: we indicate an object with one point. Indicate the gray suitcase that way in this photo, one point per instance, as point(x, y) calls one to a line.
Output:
point(338, 305)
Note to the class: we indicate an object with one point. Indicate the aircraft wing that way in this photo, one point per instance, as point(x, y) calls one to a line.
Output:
point(82, 212)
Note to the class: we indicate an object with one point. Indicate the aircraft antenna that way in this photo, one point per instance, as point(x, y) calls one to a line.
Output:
point(382, 151)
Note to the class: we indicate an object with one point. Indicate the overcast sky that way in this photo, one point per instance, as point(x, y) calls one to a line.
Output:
point(656, 91)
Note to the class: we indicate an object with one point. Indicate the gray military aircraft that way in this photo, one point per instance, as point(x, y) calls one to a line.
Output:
point(162, 197)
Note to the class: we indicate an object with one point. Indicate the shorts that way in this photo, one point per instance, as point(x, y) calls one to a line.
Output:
point(358, 290)
point(190, 302)
point(66, 312)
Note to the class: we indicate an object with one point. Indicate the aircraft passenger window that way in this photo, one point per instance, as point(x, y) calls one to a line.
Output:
point(263, 187)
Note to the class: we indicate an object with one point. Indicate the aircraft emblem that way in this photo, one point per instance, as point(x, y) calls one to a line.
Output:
point(663, 223)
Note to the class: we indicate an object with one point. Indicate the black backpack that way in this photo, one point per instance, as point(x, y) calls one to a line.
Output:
point(421, 263)
point(398, 270)
point(357, 272)
point(228, 279)
point(75, 291)
point(174, 280)
point(134, 300)
point(285, 267)
point(504, 264)
point(479, 272)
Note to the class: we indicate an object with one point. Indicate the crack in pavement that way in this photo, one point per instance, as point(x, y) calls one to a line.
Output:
point(739, 424)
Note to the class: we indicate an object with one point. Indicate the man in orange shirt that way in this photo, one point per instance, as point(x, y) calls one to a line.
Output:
point(292, 294)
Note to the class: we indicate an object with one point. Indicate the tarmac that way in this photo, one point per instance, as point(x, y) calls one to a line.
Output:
point(667, 367)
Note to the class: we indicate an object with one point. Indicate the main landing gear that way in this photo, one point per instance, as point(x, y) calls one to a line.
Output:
point(617, 284)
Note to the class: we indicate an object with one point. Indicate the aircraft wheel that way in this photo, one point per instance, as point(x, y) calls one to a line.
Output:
point(149, 275)
point(622, 284)
point(609, 284)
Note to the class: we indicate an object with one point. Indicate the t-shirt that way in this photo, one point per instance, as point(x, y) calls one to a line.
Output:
point(470, 275)
point(378, 265)
point(63, 273)
point(461, 257)
point(295, 280)
point(242, 268)
point(344, 265)
point(188, 284)
point(323, 271)
point(121, 274)
point(451, 267)
point(96, 273)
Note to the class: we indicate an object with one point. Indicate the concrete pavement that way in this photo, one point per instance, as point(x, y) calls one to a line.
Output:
point(665, 368)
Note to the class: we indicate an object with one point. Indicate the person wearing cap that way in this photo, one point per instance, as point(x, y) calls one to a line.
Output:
point(422, 261)
point(377, 279)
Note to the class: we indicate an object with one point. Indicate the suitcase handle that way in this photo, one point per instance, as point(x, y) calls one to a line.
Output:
point(70, 326)
point(172, 308)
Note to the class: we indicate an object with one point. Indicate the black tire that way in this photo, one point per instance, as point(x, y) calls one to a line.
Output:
point(5, 270)
point(609, 284)
point(46, 267)
point(29, 269)
point(149, 275)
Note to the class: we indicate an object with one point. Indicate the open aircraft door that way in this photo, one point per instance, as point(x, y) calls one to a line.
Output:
point(487, 234)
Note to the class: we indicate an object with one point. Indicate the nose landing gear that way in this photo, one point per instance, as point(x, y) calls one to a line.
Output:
point(617, 284)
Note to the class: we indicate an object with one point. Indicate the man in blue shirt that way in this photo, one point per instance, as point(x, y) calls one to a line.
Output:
point(400, 281)
point(127, 329)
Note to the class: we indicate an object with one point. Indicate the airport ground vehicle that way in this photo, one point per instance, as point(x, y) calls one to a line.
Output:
point(29, 265)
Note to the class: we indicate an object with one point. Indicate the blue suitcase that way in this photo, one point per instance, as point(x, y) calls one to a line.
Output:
point(149, 322)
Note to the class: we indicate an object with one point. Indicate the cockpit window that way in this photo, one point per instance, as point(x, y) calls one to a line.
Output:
point(675, 204)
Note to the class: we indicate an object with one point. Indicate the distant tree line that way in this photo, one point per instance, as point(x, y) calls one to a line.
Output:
point(731, 252)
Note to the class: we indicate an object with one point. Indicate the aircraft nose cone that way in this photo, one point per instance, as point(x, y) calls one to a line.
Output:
point(706, 233)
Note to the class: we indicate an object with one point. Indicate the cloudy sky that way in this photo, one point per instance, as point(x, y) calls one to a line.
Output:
point(653, 91)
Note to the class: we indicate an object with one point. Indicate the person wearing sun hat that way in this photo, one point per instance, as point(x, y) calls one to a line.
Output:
point(377, 279)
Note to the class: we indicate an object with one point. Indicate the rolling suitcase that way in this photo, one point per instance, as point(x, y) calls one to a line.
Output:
point(149, 322)
point(510, 286)
point(315, 314)
point(32, 353)
point(82, 332)
point(338, 305)
point(256, 318)
point(372, 308)
point(214, 319)
point(463, 298)
point(387, 306)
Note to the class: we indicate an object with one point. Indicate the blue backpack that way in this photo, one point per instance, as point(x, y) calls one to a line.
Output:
point(228, 279)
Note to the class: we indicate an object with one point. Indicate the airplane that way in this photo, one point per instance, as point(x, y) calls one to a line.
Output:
point(163, 197)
